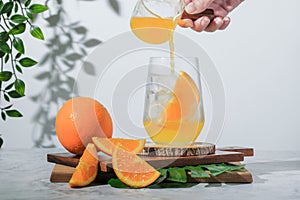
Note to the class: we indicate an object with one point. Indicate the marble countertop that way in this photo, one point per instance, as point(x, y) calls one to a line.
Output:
point(24, 174)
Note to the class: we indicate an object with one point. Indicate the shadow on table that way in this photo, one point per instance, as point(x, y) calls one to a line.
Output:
point(172, 185)
point(66, 51)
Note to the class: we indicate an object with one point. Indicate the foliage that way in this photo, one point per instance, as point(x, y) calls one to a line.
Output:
point(16, 17)
point(174, 177)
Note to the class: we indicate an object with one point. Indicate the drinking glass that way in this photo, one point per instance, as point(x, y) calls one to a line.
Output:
point(173, 112)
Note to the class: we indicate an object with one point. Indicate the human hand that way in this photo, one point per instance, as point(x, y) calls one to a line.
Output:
point(221, 9)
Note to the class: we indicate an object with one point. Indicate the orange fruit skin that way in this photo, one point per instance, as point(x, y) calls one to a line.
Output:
point(86, 171)
point(107, 145)
point(80, 119)
point(132, 170)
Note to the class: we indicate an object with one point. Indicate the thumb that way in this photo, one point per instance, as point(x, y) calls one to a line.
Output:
point(197, 6)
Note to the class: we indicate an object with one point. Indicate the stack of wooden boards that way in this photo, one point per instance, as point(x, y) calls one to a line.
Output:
point(159, 157)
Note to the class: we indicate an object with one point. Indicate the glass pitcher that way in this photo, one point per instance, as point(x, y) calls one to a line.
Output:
point(153, 21)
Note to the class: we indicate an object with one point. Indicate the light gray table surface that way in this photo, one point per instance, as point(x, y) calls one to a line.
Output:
point(24, 174)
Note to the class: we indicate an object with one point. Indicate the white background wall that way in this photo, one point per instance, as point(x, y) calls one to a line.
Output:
point(257, 57)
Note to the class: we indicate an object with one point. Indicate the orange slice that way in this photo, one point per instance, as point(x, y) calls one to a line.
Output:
point(172, 111)
point(132, 170)
point(86, 171)
point(107, 145)
point(185, 100)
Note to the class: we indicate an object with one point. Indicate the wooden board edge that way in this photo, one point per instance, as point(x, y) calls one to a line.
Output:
point(247, 151)
point(68, 161)
point(62, 174)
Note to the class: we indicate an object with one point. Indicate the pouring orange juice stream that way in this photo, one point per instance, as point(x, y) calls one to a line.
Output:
point(180, 121)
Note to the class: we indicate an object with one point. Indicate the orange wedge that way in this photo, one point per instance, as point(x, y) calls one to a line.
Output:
point(132, 170)
point(86, 171)
point(185, 100)
point(172, 111)
point(107, 145)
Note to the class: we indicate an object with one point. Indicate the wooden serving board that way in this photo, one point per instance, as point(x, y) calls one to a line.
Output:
point(157, 162)
point(62, 174)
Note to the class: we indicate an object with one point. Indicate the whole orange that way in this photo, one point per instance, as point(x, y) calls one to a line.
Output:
point(80, 119)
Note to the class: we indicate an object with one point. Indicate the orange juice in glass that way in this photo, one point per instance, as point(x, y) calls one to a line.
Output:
point(173, 113)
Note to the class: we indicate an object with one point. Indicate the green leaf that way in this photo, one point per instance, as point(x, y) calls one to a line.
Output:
point(30, 16)
point(14, 94)
point(217, 169)
point(18, 44)
point(27, 62)
point(18, 29)
point(197, 172)
point(6, 97)
point(6, 58)
point(20, 87)
point(2, 54)
point(12, 24)
point(27, 3)
point(5, 75)
point(177, 174)
point(37, 32)
point(163, 176)
point(7, 8)
point(16, 8)
point(3, 116)
point(4, 37)
point(13, 113)
point(37, 8)
point(117, 183)
point(5, 48)
point(18, 55)
point(9, 86)
point(1, 4)
point(9, 13)
point(19, 69)
point(18, 18)
point(7, 107)
point(91, 43)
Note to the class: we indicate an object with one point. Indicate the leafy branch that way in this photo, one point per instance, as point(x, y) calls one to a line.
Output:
point(16, 17)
